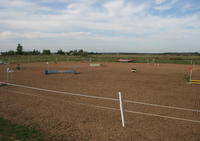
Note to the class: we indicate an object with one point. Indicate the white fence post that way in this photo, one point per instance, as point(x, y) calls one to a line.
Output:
point(47, 63)
point(121, 109)
point(190, 74)
point(7, 74)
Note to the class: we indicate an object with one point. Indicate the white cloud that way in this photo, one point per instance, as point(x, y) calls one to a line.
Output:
point(5, 35)
point(159, 1)
point(39, 35)
point(118, 17)
point(165, 4)
point(80, 22)
point(14, 3)
point(119, 8)
point(164, 7)
point(187, 6)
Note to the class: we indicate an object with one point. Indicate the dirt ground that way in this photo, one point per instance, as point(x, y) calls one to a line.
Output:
point(63, 116)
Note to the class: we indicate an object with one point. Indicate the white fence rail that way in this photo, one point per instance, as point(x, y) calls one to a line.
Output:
point(110, 108)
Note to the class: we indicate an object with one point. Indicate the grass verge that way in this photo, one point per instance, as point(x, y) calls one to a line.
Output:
point(13, 132)
point(172, 59)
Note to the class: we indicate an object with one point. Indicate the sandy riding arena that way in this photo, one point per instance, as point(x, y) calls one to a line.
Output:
point(158, 102)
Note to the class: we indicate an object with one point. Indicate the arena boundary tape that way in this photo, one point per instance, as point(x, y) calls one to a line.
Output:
point(107, 98)
point(111, 108)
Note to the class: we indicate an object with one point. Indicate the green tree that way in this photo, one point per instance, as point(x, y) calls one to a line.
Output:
point(46, 52)
point(75, 52)
point(11, 52)
point(60, 52)
point(81, 52)
point(19, 49)
point(35, 52)
point(70, 52)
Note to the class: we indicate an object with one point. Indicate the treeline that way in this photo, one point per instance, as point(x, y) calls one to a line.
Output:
point(166, 53)
point(182, 53)
point(20, 51)
point(81, 52)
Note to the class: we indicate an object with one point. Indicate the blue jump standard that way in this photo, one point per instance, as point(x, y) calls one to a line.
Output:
point(62, 71)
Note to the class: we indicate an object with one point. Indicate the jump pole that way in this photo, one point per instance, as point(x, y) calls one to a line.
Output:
point(121, 109)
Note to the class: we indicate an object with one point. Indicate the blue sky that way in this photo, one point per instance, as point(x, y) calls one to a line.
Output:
point(101, 25)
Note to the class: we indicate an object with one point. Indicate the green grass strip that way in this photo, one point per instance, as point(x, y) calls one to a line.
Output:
point(13, 132)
